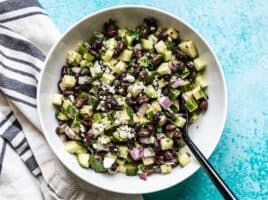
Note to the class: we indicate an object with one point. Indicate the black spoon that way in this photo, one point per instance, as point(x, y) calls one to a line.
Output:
point(211, 172)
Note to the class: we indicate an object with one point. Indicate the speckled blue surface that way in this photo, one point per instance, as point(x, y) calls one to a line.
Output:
point(238, 33)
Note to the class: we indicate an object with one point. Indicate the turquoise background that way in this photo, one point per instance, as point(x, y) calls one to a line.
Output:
point(238, 33)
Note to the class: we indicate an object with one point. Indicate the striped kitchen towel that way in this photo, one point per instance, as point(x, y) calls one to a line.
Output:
point(28, 168)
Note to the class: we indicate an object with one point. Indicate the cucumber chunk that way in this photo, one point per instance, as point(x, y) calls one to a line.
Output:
point(123, 152)
point(199, 64)
point(119, 67)
point(184, 158)
point(147, 44)
point(131, 170)
point(180, 121)
point(83, 159)
point(164, 69)
point(150, 92)
point(166, 143)
point(188, 48)
point(160, 47)
point(148, 161)
point(61, 116)
point(201, 80)
point(68, 81)
point(89, 57)
point(126, 55)
point(86, 110)
point(171, 32)
point(74, 146)
point(107, 78)
point(165, 169)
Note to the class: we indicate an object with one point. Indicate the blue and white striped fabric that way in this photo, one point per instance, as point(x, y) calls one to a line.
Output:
point(26, 34)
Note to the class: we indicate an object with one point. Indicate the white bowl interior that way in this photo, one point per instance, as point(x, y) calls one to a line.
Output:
point(210, 126)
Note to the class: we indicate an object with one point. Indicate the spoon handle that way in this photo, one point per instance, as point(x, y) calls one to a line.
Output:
point(213, 175)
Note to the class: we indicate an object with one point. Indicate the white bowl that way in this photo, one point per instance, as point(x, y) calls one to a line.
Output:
point(210, 126)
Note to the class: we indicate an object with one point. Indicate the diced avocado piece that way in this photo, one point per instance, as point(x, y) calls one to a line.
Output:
point(199, 64)
point(83, 159)
point(107, 55)
point(96, 118)
point(129, 39)
point(119, 67)
point(184, 158)
point(136, 88)
point(162, 120)
point(68, 81)
point(95, 71)
point(160, 47)
point(201, 80)
point(148, 161)
point(61, 116)
point(165, 169)
point(85, 63)
point(111, 63)
point(171, 32)
point(131, 170)
point(167, 55)
point(188, 48)
point(57, 99)
point(162, 83)
point(191, 104)
point(74, 146)
point(123, 152)
point(96, 164)
point(126, 55)
point(150, 92)
point(164, 69)
point(73, 57)
point(180, 121)
point(197, 93)
point(89, 57)
point(173, 94)
point(156, 106)
point(120, 161)
point(107, 78)
point(166, 143)
point(122, 32)
point(111, 43)
point(121, 169)
point(81, 48)
point(66, 104)
point(86, 110)
point(147, 44)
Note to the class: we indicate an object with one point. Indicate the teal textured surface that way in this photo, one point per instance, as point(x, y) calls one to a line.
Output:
point(237, 32)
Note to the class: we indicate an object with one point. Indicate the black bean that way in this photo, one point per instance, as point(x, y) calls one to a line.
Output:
point(142, 99)
point(165, 91)
point(138, 54)
point(125, 85)
point(87, 140)
point(111, 103)
point(180, 55)
point(67, 92)
point(167, 77)
point(170, 127)
point(103, 93)
point(64, 70)
point(203, 105)
point(160, 159)
point(168, 155)
point(151, 128)
point(79, 103)
point(119, 48)
point(143, 75)
point(144, 33)
point(157, 59)
point(151, 23)
point(110, 29)
point(143, 133)
point(97, 45)
point(190, 65)
point(177, 137)
point(137, 127)
point(130, 144)
point(131, 101)
point(156, 117)
point(168, 114)
point(163, 35)
point(58, 130)
point(85, 72)
point(87, 124)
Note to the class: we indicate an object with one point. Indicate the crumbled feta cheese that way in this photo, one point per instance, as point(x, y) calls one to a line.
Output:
point(97, 129)
point(100, 147)
point(101, 106)
point(108, 162)
point(129, 78)
point(126, 132)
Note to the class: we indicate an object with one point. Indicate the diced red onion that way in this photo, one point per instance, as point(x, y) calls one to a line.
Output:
point(69, 132)
point(165, 102)
point(177, 83)
point(136, 153)
point(143, 176)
